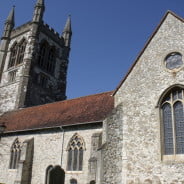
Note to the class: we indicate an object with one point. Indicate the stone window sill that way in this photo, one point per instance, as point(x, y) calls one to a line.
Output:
point(173, 158)
point(74, 172)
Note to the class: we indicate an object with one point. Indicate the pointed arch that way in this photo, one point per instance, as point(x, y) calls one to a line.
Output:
point(21, 53)
point(167, 93)
point(75, 148)
point(15, 154)
point(47, 56)
point(17, 53)
point(172, 117)
point(13, 55)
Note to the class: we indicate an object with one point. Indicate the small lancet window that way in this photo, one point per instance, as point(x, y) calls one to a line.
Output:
point(15, 154)
point(75, 150)
point(172, 112)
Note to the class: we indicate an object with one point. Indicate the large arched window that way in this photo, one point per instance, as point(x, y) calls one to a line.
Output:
point(46, 59)
point(17, 53)
point(13, 55)
point(75, 150)
point(21, 51)
point(173, 121)
point(15, 154)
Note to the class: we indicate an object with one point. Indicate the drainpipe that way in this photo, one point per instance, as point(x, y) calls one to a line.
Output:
point(63, 132)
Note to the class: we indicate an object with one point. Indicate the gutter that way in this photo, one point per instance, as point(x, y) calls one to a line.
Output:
point(54, 127)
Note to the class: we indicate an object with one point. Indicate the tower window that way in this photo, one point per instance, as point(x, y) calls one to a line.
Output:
point(173, 122)
point(75, 153)
point(46, 59)
point(17, 53)
point(15, 154)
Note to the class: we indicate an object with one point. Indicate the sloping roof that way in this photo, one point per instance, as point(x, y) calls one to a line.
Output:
point(86, 109)
point(146, 45)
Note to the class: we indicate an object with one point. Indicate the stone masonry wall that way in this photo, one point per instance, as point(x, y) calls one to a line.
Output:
point(50, 148)
point(139, 94)
point(112, 150)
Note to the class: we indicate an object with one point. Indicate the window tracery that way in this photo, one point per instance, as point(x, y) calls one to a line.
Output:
point(15, 154)
point(173, 122)
point(46, 59)
point(17, 53)
point(75, 150)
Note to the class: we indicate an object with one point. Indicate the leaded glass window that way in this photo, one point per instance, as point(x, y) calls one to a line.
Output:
point(173, 122)
point(75, 150)
point(173, 61)
point(15, 154)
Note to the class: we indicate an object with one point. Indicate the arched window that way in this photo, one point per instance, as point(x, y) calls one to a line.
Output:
point(42, 54)
point(55, 175)
point(92, 182)
point(15, 154)
point(51, 61)
point(75, 153)
point(17, 53)
point(46, 59)
point(173, 121)
point(22, 47)
point(14, 51)
point(73, 181)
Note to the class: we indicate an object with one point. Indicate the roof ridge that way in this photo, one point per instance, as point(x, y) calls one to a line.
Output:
point(62, 101)
point(145, 46)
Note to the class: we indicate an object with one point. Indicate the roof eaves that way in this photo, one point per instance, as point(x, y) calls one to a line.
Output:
point(51, 127)
point(146, 45)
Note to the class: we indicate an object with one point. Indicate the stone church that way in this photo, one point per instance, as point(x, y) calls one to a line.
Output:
point(132, 135)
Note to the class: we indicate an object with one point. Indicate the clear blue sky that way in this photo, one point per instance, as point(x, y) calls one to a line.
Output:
point(107, 35)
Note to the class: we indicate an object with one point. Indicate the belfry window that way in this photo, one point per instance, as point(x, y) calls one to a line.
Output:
point(173, 122)
point(15, 154)
point(46, 59)
point(75, 153)
point(17, 53)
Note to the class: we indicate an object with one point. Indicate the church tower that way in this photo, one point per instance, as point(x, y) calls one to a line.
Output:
point(33, 62)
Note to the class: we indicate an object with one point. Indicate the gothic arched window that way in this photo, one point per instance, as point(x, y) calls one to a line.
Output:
point(172, 112)
point(21, 51)
point(17, 53)
point(73, 181)
point(14, 51)
point(75, 150)
point(15, 154)
point(46, 59)
point(42, 54)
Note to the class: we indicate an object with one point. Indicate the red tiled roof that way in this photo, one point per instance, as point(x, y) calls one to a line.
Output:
point(86, 109)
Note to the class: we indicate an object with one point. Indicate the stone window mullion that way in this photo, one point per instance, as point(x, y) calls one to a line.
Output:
point(173, 125)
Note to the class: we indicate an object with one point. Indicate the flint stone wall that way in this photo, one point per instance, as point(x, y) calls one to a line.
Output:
point(142, 157)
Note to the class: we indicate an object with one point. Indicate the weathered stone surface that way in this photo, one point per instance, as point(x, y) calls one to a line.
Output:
point(48, 150)
point(139, 95)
